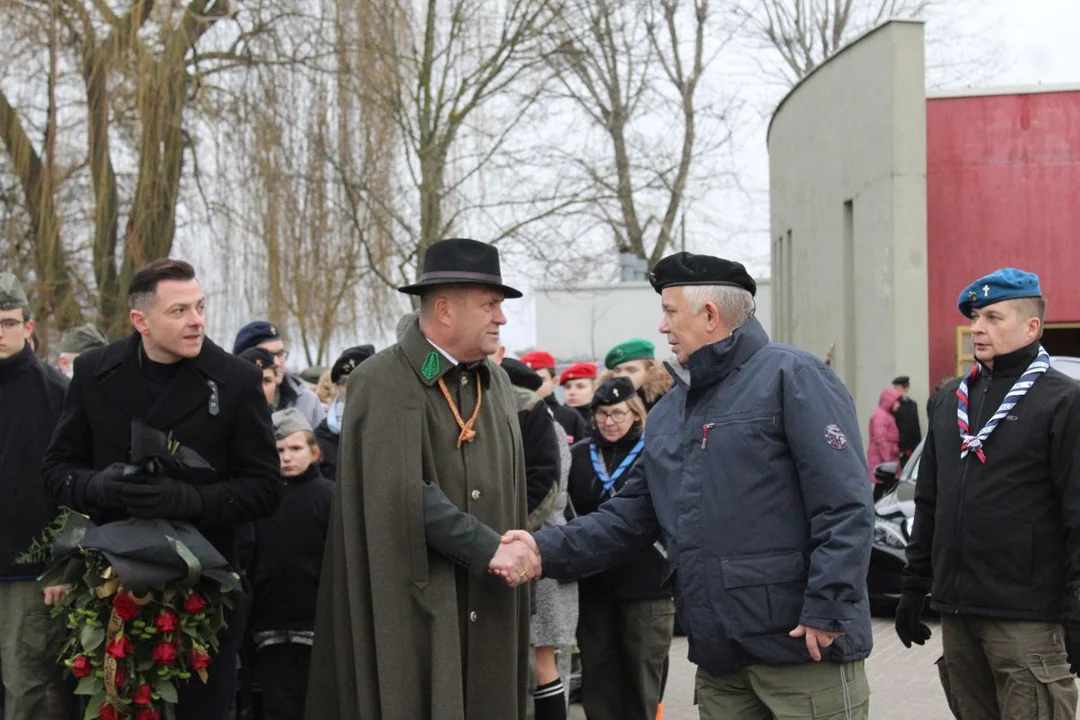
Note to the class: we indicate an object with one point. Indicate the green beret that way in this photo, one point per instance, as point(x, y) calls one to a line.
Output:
point(635, 349)
point(289, 421)
point(11, 293)
point(78, 340)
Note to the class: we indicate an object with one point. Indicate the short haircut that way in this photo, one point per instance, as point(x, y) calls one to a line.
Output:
point(735, 304)
point(144, 282)
point(1033, 307)
point(27, 316)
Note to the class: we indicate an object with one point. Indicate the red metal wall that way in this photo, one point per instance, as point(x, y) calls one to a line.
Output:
point(1003, 188)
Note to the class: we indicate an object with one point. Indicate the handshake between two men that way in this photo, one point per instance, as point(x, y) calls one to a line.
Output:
point(517, 560)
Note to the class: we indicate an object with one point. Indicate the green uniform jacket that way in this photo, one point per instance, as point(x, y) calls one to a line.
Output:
point(402, 631)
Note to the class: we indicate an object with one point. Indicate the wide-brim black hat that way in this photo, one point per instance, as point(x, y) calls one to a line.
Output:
point(460, 261)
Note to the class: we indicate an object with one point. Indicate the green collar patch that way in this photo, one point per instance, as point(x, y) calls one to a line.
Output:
point(430, 370)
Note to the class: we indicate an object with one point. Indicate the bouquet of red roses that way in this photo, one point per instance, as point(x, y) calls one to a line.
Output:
point(145, 600)
point(130, 642)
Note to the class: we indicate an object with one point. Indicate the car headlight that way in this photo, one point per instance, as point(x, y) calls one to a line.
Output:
point(889, 534)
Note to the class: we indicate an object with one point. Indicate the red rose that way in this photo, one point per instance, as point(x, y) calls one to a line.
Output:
point(118, 681)
point(199, 659)
point(148, 714)
point(119, 648)
point(194, 603)
point(166, 621)
point(81, 668)
point(125, 607)
point(164, 654)
point(143, 695)
point(107, 712)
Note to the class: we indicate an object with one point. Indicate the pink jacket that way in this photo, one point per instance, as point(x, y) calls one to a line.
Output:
point(884, 445)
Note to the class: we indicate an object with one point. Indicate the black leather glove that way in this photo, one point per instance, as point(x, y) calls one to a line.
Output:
point(104, 490)
point(1072, 645)
point(163, 497)
point(909, 625)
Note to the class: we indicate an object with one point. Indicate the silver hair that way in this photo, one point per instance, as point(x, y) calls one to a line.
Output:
point(736, 305)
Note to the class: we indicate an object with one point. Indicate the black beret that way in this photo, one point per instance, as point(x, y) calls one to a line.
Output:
point(260, 357)
point(521, 375)
point(613, 392)
point(349, 360)
point(903, 381)
point(685, 268)
point(253, 334)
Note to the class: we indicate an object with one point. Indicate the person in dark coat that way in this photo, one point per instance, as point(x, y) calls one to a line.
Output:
point(907, 419)
point(31, 395)
point(288, 563)
point(328, 432)
point(579, 383)
point(543, 363)
point(264, 360)
point(753, 473)
point(291, 390)
point(627, 615)
point(542, 444)
point(996, 536)
point(170, 377)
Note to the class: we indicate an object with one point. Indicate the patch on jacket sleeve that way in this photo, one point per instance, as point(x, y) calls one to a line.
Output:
point(835, 436)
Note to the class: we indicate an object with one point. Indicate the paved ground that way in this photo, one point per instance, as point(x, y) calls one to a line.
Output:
point(904, 683)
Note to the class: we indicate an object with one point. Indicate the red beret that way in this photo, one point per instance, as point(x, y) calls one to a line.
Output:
point(578, 371)
point(538, 360)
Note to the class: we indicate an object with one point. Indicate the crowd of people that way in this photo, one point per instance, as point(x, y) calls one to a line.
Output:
point(423, 530)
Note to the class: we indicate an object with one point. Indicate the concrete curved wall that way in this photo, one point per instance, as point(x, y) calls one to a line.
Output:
point(847, 165)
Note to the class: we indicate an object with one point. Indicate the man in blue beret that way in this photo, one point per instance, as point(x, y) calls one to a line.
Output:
point(753, 476)
point(291, 390)
point(996, 539)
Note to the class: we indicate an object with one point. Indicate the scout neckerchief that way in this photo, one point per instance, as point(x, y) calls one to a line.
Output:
point(601, 471)
point(1018, 390)
point(467, 432)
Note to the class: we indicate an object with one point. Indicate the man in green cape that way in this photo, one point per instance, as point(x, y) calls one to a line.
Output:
point(411, 624)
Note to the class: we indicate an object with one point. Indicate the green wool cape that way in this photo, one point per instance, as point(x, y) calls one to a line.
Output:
point(403, 633)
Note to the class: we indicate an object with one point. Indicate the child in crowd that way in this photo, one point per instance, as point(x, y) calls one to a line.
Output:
point(288, 561)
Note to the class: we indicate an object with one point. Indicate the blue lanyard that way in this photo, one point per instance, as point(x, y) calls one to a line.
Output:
point(601, 471)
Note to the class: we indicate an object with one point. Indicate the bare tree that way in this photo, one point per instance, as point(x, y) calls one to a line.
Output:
point(458, 81)
point(635, 71)
point(802, 34)
point(139, 70)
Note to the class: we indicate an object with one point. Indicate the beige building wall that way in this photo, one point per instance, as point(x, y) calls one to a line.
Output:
point(847, 164)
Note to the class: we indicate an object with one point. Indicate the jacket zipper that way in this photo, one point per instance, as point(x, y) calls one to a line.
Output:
point(705, 433)
point(973, 428)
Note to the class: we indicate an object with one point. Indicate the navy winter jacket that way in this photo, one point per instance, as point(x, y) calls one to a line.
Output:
point(754, 474)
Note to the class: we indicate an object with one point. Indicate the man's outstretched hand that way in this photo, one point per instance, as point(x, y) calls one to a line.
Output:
point(517, 560)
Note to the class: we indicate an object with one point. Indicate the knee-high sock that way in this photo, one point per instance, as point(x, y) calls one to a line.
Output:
point(550, 701)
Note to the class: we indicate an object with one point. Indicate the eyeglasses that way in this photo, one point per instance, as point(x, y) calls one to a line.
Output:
point(9, 325)
point(617, 417)
point(283, 354)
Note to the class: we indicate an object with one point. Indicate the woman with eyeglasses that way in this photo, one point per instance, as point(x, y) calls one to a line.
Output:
point(626, 614)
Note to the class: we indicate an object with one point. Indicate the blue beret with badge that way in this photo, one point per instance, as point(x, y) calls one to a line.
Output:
point(998, 286)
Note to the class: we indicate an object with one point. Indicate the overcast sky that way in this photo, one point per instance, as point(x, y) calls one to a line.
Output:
point(1030, 43)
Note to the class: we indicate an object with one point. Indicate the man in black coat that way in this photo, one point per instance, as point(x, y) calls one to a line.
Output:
point(170, 377)
point(907, 420)
point(31, 395)
point(328, 432)
point(996, 535)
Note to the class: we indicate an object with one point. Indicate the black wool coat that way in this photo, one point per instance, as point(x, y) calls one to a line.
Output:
point(214, 405)
point(31, 395)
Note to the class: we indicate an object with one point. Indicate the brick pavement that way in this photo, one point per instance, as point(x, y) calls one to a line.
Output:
point(904, 683)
